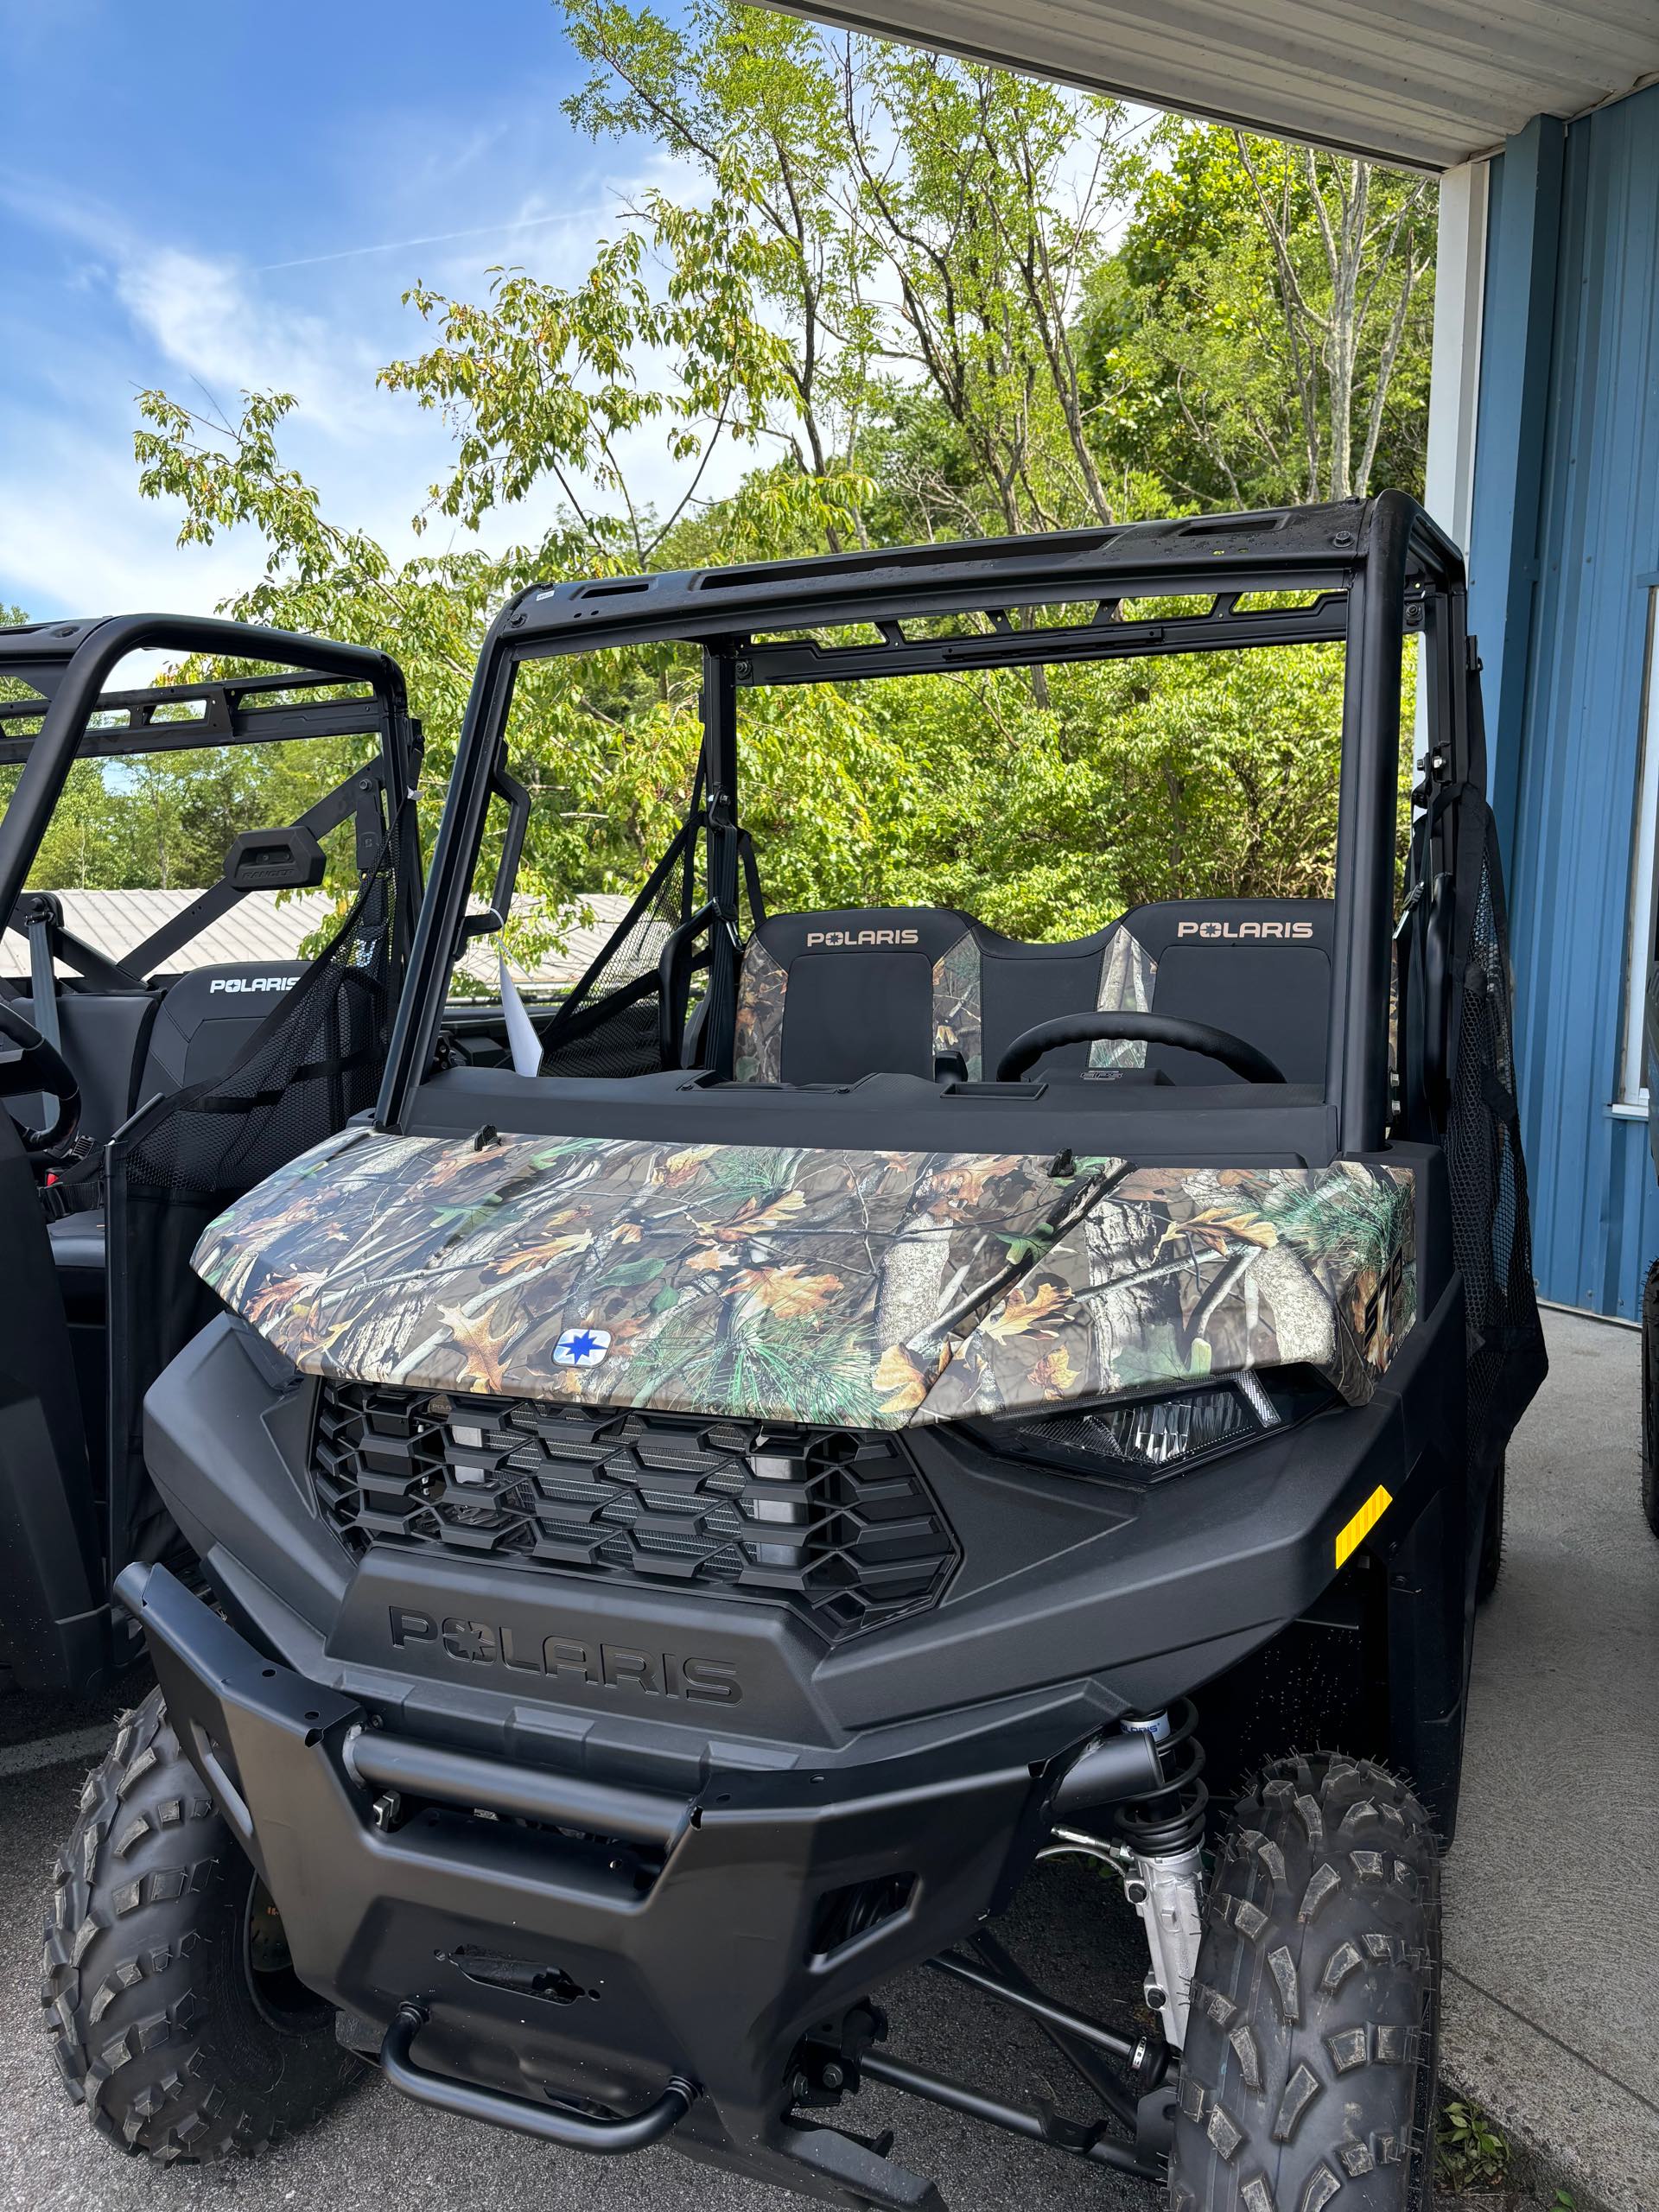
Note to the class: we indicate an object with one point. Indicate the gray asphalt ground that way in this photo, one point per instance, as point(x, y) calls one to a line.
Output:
point(1552, 1942)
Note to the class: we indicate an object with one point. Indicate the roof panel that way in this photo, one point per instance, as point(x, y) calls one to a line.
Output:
point(1426, 83)
point(261, 925)
point(269, 926)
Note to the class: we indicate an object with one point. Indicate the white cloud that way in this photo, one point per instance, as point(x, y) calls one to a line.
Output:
point(76, 537)
point(127, 311)
point(200, 313)
point(205, 318)
point(500, 232)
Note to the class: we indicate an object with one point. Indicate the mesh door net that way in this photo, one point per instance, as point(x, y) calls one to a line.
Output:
point(1490, 1226)
point(316, 1061)
point(612, 1023)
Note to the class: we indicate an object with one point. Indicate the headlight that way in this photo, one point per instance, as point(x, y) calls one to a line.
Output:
point(1146, 1438)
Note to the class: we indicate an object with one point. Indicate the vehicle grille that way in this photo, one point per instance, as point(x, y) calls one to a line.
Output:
point(837, 1523)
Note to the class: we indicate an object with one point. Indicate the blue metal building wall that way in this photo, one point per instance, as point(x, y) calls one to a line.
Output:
point(1565, 548)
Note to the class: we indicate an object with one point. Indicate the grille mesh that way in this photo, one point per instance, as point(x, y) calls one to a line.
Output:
point(838, 1524)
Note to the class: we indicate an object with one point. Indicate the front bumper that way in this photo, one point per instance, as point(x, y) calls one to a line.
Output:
point(507, 1803)
point(1073, 1601)
point(561, 1939)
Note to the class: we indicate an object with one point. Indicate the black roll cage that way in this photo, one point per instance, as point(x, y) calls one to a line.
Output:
point(1377, 568)
point(65, 665)
point(64, 1551)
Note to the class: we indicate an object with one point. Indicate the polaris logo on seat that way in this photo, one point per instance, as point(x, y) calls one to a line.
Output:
point(251, 983)
point(849, 939)
point(1235, 930)
point(566, 1659)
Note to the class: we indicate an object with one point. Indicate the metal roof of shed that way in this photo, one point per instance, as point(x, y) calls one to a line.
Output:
point(264, 925)
point(1425, 83)
point(256, 928)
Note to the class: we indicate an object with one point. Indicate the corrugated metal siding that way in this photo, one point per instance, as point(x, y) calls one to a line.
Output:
point(266, 925)
point(1427, 82)
point(1574, 742)
point(116, 922)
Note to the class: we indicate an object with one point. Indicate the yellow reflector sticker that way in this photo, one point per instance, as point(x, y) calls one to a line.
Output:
point(1364, 1521)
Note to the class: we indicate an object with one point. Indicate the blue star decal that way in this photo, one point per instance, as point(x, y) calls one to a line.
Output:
point(581, 1347)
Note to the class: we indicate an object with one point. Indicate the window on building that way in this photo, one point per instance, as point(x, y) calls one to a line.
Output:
point(1642, 936)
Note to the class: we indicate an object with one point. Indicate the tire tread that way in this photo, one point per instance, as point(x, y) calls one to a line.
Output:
point(1309, 2065)
point(143, 1899)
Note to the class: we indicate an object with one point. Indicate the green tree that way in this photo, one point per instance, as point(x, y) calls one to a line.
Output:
point(1261, 333)
point(881, 220)
point(915, 297)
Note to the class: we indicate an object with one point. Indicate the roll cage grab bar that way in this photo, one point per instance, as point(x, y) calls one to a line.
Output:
point(1366, 571)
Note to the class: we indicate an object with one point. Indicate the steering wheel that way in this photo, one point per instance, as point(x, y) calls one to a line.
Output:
point(1030, 1044)
point(32, 1065)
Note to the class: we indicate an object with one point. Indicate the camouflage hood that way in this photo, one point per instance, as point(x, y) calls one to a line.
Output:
point(872, 1289)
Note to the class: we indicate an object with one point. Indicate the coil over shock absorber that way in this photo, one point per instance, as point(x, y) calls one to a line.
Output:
point(1163, 1868)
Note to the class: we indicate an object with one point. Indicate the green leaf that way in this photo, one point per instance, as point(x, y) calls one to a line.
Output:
point(631, 1271)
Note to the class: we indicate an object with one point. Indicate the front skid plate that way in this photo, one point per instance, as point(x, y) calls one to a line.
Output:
point(710, 1966)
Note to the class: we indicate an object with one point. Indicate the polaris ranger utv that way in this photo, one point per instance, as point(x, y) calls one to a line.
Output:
point(861, 1406)
point(149, 1087)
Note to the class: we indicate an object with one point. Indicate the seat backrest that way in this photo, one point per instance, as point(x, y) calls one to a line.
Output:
point(131, 1046)
point(840, 993)
point(835, 995)
point(103, 1035)
point(1261, 968)
point(205, 1020)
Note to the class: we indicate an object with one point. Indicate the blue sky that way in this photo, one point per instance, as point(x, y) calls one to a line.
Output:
point(208, 197)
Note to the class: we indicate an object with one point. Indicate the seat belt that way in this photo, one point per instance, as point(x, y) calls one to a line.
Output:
point(42, 972)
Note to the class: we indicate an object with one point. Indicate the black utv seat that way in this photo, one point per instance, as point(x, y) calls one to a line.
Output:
point(1258, 967)
point(201, 1025)
point(831, 996)
point(205, 1021)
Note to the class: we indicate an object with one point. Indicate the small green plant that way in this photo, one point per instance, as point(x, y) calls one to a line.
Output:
point(1473, 2153)
point(1564, 2200)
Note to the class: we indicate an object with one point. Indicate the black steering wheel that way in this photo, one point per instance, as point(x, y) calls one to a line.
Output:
point(1030, 1044)
point(27, 1064)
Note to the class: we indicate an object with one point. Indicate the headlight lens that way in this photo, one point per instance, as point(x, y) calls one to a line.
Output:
point(1146, 1438)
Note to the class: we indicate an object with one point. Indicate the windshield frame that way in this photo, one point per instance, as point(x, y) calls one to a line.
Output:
point(1379, 568)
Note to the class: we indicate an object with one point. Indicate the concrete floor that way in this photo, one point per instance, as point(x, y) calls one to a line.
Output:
point(377, 2153)
point(1551, 1940)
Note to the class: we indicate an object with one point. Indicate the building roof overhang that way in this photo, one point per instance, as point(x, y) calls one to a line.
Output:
point(1425, 84)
